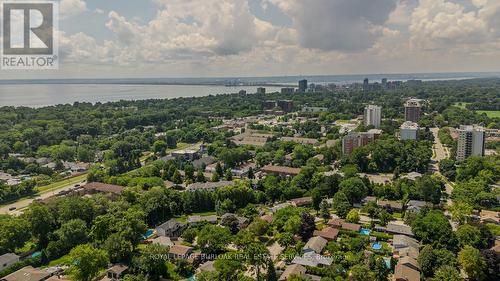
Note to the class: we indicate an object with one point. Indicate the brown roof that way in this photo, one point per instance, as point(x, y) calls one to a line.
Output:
point(294, 269)
point(118, 268)
point(280, 170)
point(267, 218)
point(336, 222)
point(302, 201)
point(351, 226)
point(405, 273)
point(180, 250)
point(328, 233)
point(490, 216)
point(104, 187)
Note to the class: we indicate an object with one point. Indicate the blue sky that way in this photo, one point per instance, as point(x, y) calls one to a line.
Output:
point(208, 38)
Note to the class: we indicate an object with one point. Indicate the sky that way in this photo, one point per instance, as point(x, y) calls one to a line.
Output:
point(228, 38)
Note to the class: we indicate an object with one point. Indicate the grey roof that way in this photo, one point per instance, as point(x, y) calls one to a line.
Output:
point(197, 219)
point(405, 241)
point(198, 163)
point(399, 229)
point(208, 185)
point(312, 259)
point(27, 273)
point(171, 224)
point(8, 258)
point(316, 244)
point(163, 240)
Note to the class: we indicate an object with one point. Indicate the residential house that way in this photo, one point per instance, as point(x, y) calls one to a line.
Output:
point(186, 154)
point(390, 205)
point(210, 186)
point(195, 220)
point(179, 252)
point(405, 246)
point(267, 218)
point(328, 233)
point(206, 267)
point(203, 162)
point(415, 205)
point(116, 272)
point(336, 222)
point(405, 273)
point(280, 206)
point(28, 273)
point(397, 228)
point(489, 217)
point(301, 202)
point(313, 259)
point(6, 260)
point(280, 170)
point(368, 199)
point(242, 221)
point(292, 270)
point(315, 244)
point(305, 141)
point(163, 241)
point(351, 226)
point(171, 228)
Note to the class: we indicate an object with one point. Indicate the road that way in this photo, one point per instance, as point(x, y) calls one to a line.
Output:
point(23, 203)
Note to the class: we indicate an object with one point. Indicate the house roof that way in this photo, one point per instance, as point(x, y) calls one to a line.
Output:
point(409, 261)
point(405, 273)
point(399, 229)
point(316, 244)
point(118, 268)
point(336, 222)
point(312, 259)
point(8, 258)
point(103, 187)
point(390, 204)
point(302, 201)
point(163, 240)
point(351, 226)
point(208, 266)
point(328, 233)
point(490, 216)
point(196, 219)
point(180, 250)
point(268, 218)
point(294, 269)
point(406, 241)
point(27, 273)
point(280, 170)
point(208, 185)
point(171, 224)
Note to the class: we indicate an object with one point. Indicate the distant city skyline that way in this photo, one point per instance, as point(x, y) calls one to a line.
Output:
point(256, 38)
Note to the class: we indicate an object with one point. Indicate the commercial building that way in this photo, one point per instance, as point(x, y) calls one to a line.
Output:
point(286, 105)
point(366, 84)
point(302, 86)
point(373, 115)
point(470, 142)
point(408, 131)
point(287, 90)
point(413, 110)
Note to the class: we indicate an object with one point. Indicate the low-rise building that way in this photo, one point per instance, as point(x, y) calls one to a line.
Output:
point(163, 241)
point(280, 170)
point(305, 141)
point(210, 186)
point(171, 228)
point(292, 270)
point(408, 131)
point(301, 202)
point(28, 273)
point(179, 252)
point(6, 260)
point(115, 273)
point(315, 244)
point(328, 233)
point(313, 259)
point(195, 220)
point(390, 205)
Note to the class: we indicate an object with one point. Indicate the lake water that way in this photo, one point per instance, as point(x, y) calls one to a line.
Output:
point(39, 95)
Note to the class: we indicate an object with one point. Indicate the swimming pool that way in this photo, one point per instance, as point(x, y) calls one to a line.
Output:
point(365, 231)
point(148, 234)
point(376, 246)
point(36, 254)
point(387, 262)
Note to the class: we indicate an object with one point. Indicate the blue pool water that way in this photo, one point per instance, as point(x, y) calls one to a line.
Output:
point(148, 234)
point(387, 262)
point(36, 254)
point(376, 246)
point(365, 231)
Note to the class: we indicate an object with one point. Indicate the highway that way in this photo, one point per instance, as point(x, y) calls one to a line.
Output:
point(23, 203)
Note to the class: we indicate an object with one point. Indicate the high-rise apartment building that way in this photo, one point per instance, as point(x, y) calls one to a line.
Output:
point(413, 110)
point(357, 139)
point(261, 90)
point(302, 86)
point(470, 142)
point(373, 115)
point(408, 131)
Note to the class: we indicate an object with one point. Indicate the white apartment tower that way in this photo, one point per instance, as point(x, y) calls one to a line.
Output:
point(408, 131)
point(470, 141)
point(372, 116)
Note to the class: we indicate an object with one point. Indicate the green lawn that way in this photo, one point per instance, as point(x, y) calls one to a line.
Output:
point(490, 113)
point(180, 145)
point(62, 183)
point(183, 218)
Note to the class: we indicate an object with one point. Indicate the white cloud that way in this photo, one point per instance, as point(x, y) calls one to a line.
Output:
point(70, 8)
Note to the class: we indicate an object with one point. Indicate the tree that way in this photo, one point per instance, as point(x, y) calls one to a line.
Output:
point(271, 271)
point(200, 177)
point(152, 261)
point(257, 256)
point(460, 211)
point(160, 147)
point(177, 177)
point(119, 249)
point(14, 232)
point(341, 204)
point(353, 216)
point(41, 222)
point(468, 235)
point(228, 267)
point(447, 273)
point(354, 189)
point(190, 234)
point(316, 199)
point(87, 262)
point(259, 227)
point(307, 226)
point(434, 228)
point(360, 272)
point(213, 239)
point(325, 211)
point(384, 217)
point(472, 262)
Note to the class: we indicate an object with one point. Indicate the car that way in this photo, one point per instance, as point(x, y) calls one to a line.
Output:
point(77, 185)
point(12, 208)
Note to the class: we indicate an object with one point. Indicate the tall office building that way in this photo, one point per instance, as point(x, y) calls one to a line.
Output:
point(384, 83)
point(302, 86)
point(261, 90)
point(366, 84)
point(413, 110)
point(373, 115)
point(408, 131)
point(470, 142)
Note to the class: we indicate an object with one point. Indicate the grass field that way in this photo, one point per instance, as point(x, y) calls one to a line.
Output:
point(62, 183)
point(489, 113)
